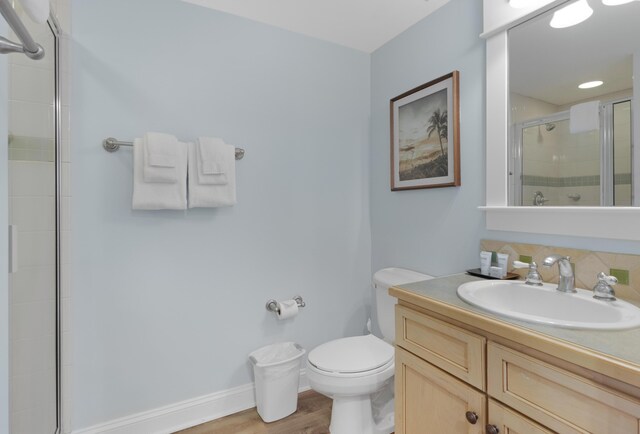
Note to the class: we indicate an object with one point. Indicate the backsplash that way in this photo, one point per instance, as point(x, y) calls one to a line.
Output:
point(587, 264)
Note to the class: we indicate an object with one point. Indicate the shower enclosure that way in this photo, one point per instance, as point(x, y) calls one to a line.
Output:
point(34, 207)
point(552, 167)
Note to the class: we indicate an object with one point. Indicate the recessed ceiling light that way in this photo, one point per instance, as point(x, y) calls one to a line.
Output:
point(615, 2)
point(590, 84)
point(571, 15)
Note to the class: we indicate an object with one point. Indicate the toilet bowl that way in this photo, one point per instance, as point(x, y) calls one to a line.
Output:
point(357, 372)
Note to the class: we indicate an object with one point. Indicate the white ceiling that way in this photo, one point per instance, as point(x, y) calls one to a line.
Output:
point(361, 24)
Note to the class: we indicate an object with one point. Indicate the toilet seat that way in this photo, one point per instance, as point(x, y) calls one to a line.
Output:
point(353, 356)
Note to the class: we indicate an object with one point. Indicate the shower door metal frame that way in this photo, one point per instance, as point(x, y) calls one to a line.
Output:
point(56, 30)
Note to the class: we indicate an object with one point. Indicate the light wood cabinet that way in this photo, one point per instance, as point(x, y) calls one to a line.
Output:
point(432, 401)
point(456, 350)
point(507, 421)
point(558, 399)
point(444, 371)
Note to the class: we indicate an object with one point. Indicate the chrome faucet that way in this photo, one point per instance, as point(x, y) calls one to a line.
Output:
point(567, 279)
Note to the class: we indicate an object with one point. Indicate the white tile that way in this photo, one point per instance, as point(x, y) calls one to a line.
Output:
point(65, 247)
point(64, 18)
point(65, 124)
point(33, 213)
point(67, 402)
point(65, 280)
point(66, 415)
point(65, 151)
point(65, 54)
point(36, 249)
point(65, 189)
point(31, 421)
point(33, 391)
point(65, 86)
point(65, 213)
point(32, 320)
point(30, 84)
point(33, 284)
point(33, 355)
point(31, 178)
point(31, 119)
point(66, 314)
point(67, 348)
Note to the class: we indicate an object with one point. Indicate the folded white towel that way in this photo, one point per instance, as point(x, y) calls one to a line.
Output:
point(208, 194)
point(584, 117)
point(159, 195)
point(212, 154)
point(160, 151)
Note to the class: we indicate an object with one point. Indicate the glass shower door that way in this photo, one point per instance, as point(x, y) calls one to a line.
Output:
point(33, 281)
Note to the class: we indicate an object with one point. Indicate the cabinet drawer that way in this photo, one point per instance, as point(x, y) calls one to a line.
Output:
point(455, 350)
point(558, 399)
point(509, 422)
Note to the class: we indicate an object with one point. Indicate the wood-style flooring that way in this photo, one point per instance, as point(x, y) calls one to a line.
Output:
point(313, 417)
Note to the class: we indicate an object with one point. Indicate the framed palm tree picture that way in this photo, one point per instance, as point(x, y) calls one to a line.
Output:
point(425, 135)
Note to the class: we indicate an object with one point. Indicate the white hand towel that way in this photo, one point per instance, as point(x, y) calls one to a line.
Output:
point(38, 10)
point(212, 154)
point(159, 195)
point(584, 117)
point(212, 195)
point(160, 152)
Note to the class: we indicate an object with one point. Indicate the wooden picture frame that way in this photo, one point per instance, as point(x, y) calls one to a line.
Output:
point(425, 135)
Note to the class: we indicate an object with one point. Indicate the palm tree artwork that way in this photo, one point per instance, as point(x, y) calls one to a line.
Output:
point(438, 125)
point(425, 129)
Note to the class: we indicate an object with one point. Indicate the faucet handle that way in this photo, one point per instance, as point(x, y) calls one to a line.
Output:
point(533, 277)
point(604, 288)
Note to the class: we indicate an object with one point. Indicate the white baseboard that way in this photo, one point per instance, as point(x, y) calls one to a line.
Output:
point(185, 414)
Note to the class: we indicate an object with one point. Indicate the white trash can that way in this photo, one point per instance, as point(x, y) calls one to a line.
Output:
point(276, 369)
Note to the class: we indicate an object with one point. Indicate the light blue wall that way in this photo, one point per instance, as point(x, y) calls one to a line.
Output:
point(438, 230)
point(4, 221)
point(168, 305)
point(435, 231)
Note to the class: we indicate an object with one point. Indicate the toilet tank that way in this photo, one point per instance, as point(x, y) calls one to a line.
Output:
point(385, 304)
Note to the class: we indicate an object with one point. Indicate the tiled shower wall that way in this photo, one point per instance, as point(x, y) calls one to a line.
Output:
point(587, 264)
point(32, 197)
point(32, 209)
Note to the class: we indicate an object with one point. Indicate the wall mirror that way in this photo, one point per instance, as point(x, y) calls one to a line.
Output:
point(615, 221)
point(570, 107)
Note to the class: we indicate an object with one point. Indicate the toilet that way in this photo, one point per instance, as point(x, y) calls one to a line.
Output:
point(357, 372)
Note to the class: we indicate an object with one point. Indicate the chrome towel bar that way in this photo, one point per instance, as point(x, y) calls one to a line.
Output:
point(112, 145)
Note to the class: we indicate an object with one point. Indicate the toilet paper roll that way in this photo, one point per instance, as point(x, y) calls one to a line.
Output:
point(287, 309)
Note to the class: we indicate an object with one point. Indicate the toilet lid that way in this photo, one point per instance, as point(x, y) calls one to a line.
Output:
point(349, 355)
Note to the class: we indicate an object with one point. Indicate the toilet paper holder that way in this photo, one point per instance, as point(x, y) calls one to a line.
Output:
point(272, 305)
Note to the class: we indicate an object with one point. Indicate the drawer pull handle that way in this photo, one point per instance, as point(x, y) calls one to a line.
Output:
point(472, 417)
point(492, 429)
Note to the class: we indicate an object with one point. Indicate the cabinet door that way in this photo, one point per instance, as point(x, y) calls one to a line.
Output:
point(428, 400)
point(507, 421)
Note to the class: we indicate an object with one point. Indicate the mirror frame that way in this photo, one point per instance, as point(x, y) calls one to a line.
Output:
point(599, 222)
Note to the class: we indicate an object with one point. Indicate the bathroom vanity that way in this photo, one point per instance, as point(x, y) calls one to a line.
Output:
point(460, 369)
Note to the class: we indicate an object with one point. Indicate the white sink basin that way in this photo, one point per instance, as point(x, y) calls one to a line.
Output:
point(546, 305)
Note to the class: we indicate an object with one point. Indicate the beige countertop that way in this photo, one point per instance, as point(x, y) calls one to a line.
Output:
point(613, 353)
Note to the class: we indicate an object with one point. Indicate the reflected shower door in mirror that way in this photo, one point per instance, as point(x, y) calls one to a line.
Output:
point(554, 166)
point(571, 118)
point(33, 215)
